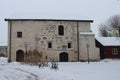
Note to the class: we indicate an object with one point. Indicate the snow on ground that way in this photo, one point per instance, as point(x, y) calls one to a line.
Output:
point(104, 70)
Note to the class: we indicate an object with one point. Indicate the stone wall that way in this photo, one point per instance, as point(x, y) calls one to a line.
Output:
point(37, 34)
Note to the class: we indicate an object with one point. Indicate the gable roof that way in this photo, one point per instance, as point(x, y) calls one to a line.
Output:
point(109, 41)
point(48, 20)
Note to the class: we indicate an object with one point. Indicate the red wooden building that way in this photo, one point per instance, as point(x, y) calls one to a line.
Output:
point(109, 47)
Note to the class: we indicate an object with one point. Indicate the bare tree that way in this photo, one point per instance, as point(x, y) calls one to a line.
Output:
point(112, 23)
point(103, 30)
point(115, 21)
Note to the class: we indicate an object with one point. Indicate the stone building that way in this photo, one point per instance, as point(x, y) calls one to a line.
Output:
point(61, 40)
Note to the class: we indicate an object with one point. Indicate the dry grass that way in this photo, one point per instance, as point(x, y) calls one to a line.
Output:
point(32, 56)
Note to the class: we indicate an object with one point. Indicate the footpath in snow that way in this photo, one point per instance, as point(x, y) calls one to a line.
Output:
point(103, 70)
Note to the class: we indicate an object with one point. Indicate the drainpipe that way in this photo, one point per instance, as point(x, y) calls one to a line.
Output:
point(78, 39)
point(9, 38)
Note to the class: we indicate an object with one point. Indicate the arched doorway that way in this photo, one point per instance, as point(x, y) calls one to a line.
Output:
point(20, 56)
point(63, 57)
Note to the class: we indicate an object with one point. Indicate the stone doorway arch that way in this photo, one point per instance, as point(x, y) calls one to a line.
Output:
point(19, 56)
point(63, 57)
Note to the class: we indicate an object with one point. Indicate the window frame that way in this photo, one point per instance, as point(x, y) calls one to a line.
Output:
point(69, 45)
point(61, 30)
point(49, 45)
point(19, 34)
point(114, 51)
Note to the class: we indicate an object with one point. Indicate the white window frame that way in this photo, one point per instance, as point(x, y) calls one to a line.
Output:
point(114, 51)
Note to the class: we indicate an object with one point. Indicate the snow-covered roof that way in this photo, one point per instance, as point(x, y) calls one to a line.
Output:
point(86, 33)
point(109, 41)
point(48, 20)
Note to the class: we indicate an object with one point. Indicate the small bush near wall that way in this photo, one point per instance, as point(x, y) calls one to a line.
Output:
point(32, 56)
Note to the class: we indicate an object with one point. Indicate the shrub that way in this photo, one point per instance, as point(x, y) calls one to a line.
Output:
point(43, 64)
point(54, 65)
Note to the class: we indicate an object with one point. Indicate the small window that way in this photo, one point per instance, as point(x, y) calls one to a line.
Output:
point(69, 45)
point(64, 47)
point(60, 30)
point(19, 34)
point(49, 44)
point(114, 51)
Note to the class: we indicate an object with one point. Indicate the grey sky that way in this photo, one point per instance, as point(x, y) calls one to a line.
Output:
point(97, 10)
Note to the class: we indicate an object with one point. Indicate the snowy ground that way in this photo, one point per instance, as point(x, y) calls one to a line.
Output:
point(103, 70)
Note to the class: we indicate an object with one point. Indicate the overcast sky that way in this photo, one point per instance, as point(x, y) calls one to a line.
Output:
point(97, 10)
